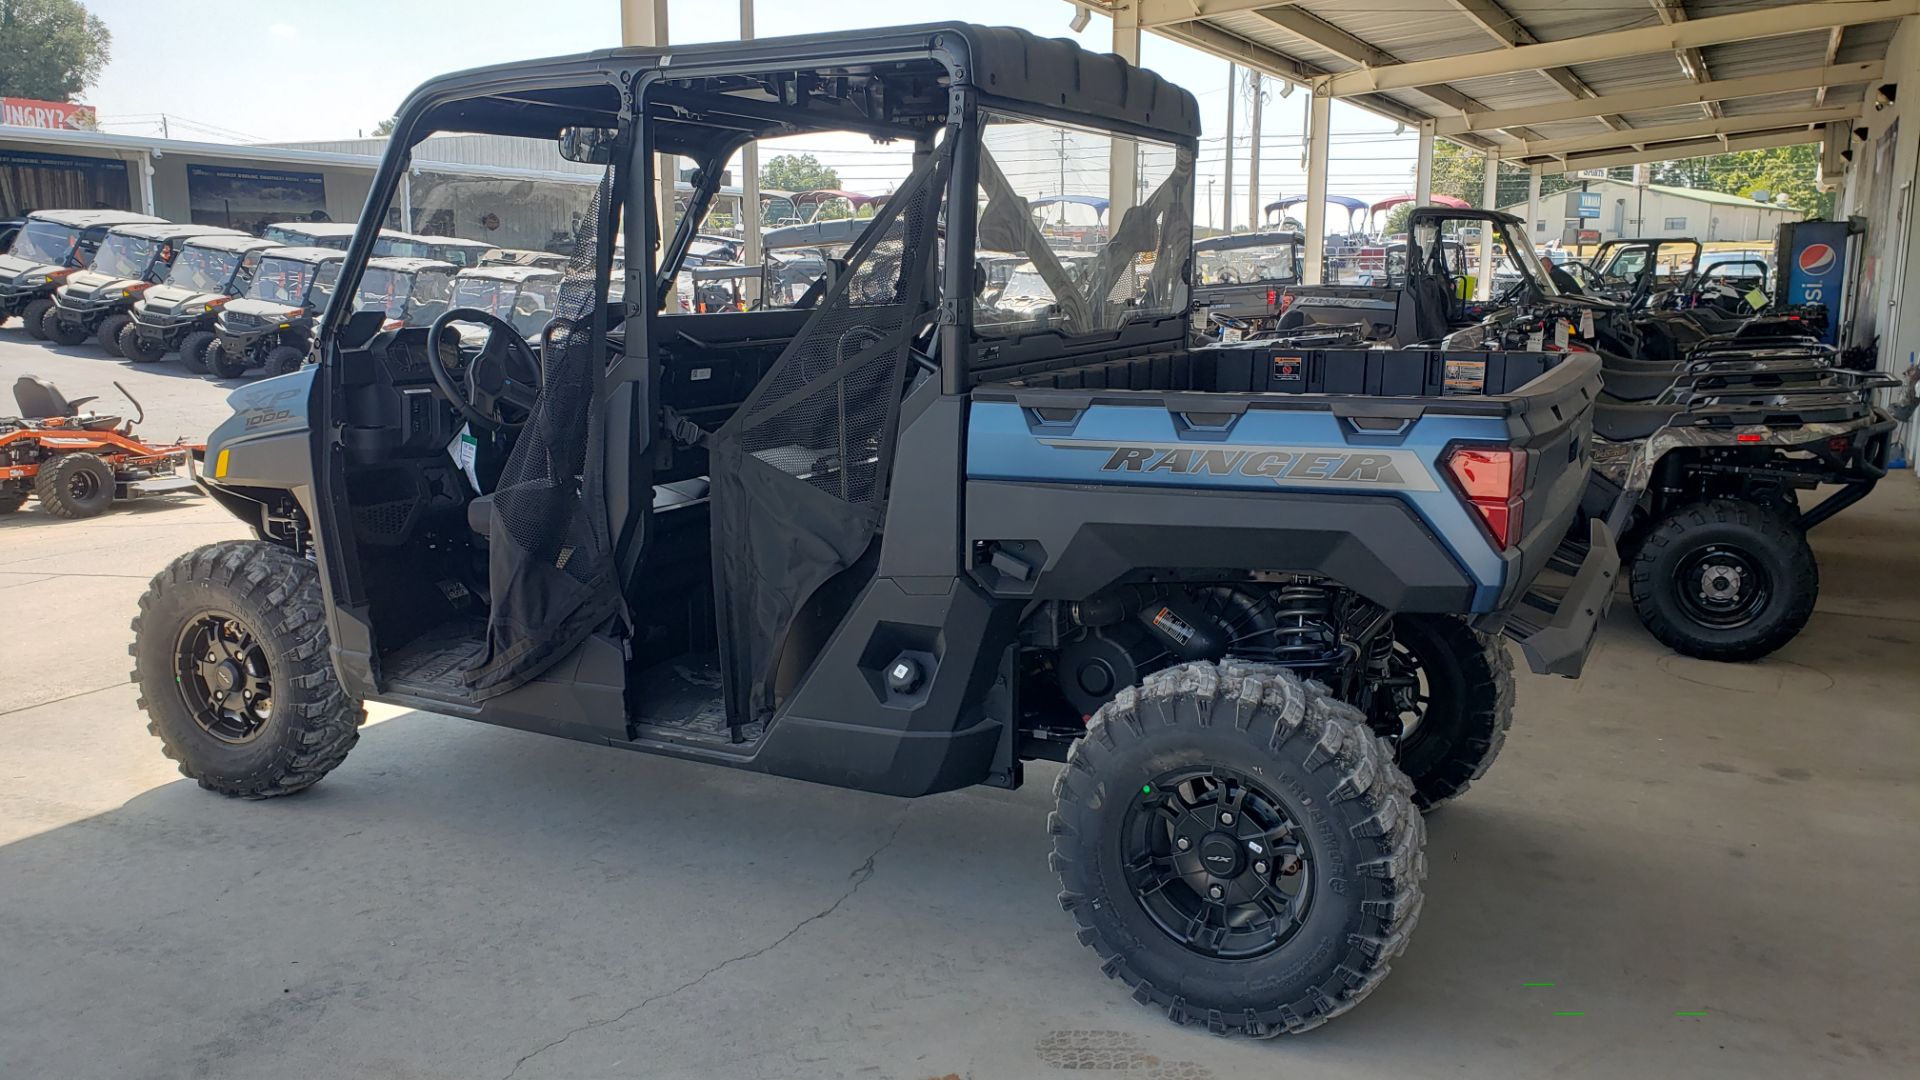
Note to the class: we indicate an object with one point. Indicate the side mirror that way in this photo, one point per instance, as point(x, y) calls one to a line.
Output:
point(588, 145)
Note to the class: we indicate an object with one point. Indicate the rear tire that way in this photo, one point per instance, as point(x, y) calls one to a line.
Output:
point(1725, 580)
point(109, 333)
point(243, 619)
point(35, 317)
point(74, 486)
point(283, 360)
point(1351, 837)
point(1466, 685)
point(140, 349)
point(61, 332)
point(193, 351)
point(220, 365)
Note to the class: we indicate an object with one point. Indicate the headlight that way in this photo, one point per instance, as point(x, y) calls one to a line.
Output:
point(33, 281)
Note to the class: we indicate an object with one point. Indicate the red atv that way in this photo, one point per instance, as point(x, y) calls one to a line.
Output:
point(77, 463)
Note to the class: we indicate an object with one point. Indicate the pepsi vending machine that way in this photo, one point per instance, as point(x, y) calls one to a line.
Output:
point(1817, 262)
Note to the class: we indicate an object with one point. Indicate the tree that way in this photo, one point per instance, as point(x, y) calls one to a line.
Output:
point(797, 172)
point(385, 127)
point(50, 49)
point(1792, 171)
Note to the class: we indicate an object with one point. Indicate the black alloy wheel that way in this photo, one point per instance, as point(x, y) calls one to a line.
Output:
point(221, 669)
point(1216, 862)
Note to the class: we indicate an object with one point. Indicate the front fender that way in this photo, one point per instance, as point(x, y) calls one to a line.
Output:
point(264, 444)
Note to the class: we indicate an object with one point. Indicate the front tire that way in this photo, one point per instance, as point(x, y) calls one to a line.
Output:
point(35, 318)
point(223, 365)
point(1454, 706)
point(140, 349)
point(109, 333)
point(74, 486)
point(61, 332)
point(230, 655)
point(283, 360)
point(1725, 580)
point(193, 351)
point(1238, 848)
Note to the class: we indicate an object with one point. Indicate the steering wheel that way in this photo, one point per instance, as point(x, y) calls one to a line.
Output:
point(503, 376)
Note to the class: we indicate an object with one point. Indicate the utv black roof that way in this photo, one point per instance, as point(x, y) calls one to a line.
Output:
point(1006, 65)
point(169, 230)
point(1247, 240)
point(87, 219)
point(1449, 213)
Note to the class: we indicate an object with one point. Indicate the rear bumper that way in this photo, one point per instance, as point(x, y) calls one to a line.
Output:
point(1555, 623)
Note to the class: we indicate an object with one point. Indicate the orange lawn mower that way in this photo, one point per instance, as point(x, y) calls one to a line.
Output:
point(78, 463)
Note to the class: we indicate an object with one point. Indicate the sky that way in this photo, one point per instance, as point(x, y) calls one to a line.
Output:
point(344, 65)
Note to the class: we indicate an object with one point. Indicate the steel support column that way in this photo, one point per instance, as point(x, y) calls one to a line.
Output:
point(1533, 205)
point(1489, 195)
point(1123, 156)
point(1423, 166)
point(643, 24)
point(749, 183)
point(1319, 118)
point(146, 183)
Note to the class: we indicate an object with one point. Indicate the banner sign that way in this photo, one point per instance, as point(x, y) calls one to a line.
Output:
point(1589, 204)
point(55, 115)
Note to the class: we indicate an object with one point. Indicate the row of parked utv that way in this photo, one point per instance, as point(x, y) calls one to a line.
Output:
point(229, 303)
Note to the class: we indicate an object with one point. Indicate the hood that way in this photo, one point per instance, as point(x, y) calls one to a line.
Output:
point(12, 266)
point(88, 283)
point(263, 309)
point(262, 411)
point(170, 297)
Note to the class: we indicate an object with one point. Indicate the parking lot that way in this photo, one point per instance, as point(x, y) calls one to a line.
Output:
point(1672, 871)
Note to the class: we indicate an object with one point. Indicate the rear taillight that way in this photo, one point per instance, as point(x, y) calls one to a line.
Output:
point(1492, 481)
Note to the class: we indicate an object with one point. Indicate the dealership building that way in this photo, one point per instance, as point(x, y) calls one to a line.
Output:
point(1619, 209)
point(510, 192)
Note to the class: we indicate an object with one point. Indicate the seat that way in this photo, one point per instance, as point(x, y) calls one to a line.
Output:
point(1636, 385)
point(39, 399)
point(674, 495)
point(1618, 421)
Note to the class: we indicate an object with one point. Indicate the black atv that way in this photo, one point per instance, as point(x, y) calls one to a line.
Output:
point(49, 247)
point(272, 326)
point(1240, 281)
point(178, 314)
point(906, 538)
point(97, 302)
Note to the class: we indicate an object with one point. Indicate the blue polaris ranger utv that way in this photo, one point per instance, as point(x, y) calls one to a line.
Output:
point(899, 538)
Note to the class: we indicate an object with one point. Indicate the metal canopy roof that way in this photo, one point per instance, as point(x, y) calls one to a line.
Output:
point(1563, 85)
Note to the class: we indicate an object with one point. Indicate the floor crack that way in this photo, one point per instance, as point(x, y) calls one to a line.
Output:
point(860, 876)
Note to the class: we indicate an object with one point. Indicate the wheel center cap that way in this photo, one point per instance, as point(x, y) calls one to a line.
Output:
point(227, 675)
point(1220, 855)
point(1722, 581)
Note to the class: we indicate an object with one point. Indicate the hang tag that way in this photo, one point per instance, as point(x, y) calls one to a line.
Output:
point(1756, 299)
point(1561, 330)
point(1537, 341)
point(1586, 323)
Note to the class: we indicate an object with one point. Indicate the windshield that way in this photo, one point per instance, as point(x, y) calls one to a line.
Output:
point(527, 305)
point(414, 299)
point(1026, 283)
point(44, 242)
point(1268, 262)
point(124, 256)
point(203, 269)
point(400, 246)
point(284, 281)
point(461, 255)
point(1521, 252)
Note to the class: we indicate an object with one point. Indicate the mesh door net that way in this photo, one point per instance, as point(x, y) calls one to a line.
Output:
point(800, 470)
point(549, 560)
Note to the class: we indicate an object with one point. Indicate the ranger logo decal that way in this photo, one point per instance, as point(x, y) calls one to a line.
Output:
point(1286, 466)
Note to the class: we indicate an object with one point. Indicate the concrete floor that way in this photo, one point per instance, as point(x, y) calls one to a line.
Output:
point(457, 901)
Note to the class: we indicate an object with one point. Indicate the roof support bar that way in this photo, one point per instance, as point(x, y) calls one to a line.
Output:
point(1668, 96)
point(1691, 62)
point(1640, 41)
point(1677, 151)
point(1154, 14)
point(1692, 129)
point(1507, 30)
point(1319, 142)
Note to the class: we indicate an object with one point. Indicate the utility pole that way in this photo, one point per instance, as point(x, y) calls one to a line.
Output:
point(1254, 214)
point(1233, 91)
point(1060, 138)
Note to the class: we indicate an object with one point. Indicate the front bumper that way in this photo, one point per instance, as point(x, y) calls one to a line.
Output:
point(14, 297)
point(165, 327)
point(1555, 623)
point(90, 309)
